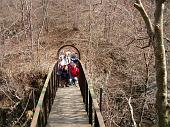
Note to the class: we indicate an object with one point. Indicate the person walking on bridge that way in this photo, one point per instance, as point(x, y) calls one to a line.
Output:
point(74, 73)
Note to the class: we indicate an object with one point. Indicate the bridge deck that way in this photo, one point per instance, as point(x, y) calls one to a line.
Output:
point(68, 109)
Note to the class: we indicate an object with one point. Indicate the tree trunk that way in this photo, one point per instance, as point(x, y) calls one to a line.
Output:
point(45, 4)
point(155, 33)
point(160, 65)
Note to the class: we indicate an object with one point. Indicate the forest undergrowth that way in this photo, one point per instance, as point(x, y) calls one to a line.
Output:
point(109, 34)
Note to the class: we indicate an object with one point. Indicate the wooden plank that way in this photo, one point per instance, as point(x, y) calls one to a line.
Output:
point(68, 109)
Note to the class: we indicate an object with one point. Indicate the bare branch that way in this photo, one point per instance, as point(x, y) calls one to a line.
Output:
point(143, 47)
point(146, 85)
point(138, 39)
point(167, 39)
point(131, 42)
point(139, 6)
point(7, 95)
point(131, 111)
point(6, 29)
point(24, 110)
point(146, 46)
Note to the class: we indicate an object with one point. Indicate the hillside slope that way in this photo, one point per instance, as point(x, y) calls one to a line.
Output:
point(108, 33)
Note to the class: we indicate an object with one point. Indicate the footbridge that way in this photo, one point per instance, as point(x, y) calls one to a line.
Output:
point(69, 106)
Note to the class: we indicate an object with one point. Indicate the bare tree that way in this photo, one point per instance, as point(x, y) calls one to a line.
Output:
point(45, 4)
point(29, 18)
point(2, 49)
point(155, 32)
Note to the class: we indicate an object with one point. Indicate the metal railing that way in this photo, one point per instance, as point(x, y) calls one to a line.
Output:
point(90, 101)
point(46, 99)
point(47, 96)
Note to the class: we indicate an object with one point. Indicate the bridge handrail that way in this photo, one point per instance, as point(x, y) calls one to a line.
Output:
point(89, 98)
point(44, 104)
point(96, 107)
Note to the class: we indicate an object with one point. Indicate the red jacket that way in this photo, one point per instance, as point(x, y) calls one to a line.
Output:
point(74, 71)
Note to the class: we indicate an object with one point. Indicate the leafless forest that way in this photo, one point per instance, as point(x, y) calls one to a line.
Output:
point(112, 38)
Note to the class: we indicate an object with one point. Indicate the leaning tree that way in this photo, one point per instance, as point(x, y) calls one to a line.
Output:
point(155, 33)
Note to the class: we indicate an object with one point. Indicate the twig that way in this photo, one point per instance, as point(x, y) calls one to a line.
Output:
point(6, 29)
point(34, 98)
point(115, 123)
point(26, 122)
point(138, 39)
point(131, 111)
point(139, 6)
point(131, 42)
point(167, 39)
point(7, 95)
point(143, 46)
point(146, 85)
point(24, 110)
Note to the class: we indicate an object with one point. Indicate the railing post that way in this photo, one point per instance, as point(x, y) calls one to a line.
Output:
point(56, 77)
point(80, 82)
point(58, 81)
point(51, 83)
point(86, 97)
point(51, 89)
point(84, 88)
point(96, 122)
point(40, 120)
point(45, 108)
point(101, 93)
point(49, 95)
point(90, 109)
point(43, 116)
point(55, 80)
point(47, 100)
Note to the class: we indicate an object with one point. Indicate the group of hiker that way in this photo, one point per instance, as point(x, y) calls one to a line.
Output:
point(68, 69)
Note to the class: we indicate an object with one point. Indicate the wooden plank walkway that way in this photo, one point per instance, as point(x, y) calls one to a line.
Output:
point(68, 109)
